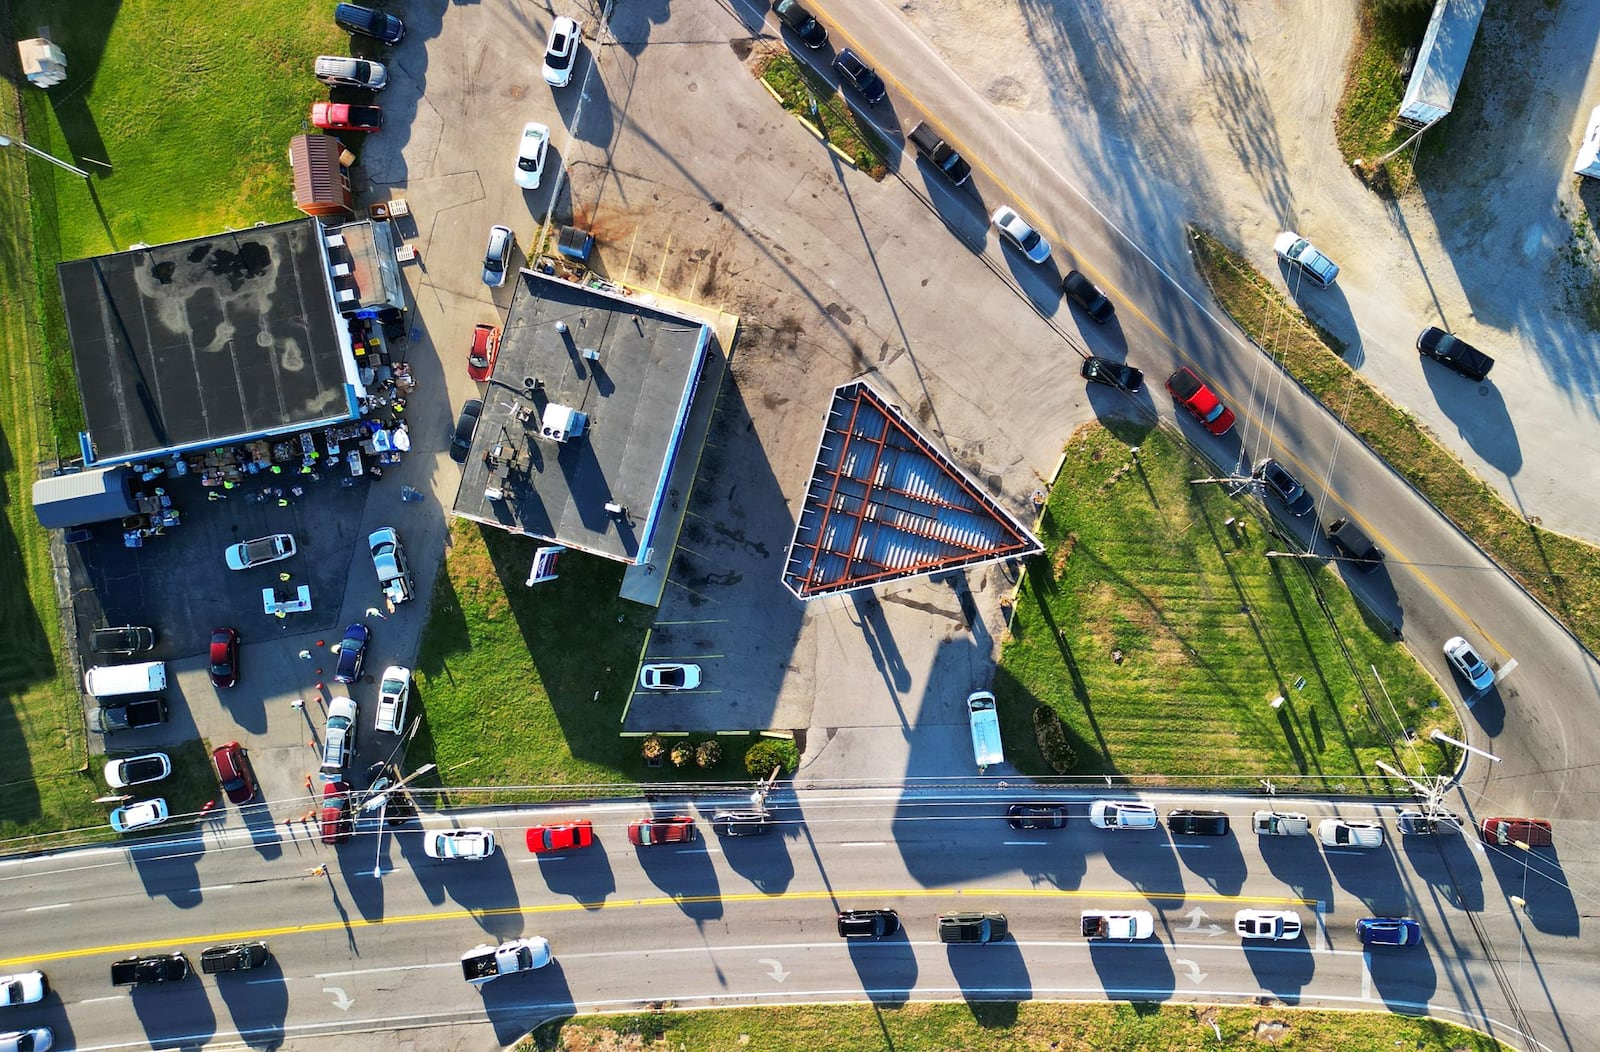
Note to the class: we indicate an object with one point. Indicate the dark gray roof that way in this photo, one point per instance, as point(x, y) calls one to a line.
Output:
point(884, 503)
point(96, 495)
point(633, 370)
point(206, 341)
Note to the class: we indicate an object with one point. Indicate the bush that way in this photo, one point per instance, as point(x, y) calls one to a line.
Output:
point(709, 754)
point(764, 755)
point(1052, 737)
point(652, 747)
point(682, 753)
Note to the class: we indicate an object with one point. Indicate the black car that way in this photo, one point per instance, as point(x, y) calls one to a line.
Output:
point(1036, 816)
point(860, 76)
point(1184, 822)
point(1087, 294)
point(241, 957)
point(142, 971)
point(129, 639)
point(131, 715)
point(466, 427)
point(868, 924)
point(352, 652)
point(1284, 486)
point(797, 18)
point(741, 823)
point(353, 18)
point(1120, 375)
point(1429, 822)
point(1454, 352)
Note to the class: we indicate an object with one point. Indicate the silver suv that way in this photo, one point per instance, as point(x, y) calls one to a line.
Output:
point(344, 72)
point(339, 744)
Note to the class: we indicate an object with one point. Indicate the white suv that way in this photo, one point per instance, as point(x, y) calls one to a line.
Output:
point(1119, 814)
point(339, 743)
point(393, 693)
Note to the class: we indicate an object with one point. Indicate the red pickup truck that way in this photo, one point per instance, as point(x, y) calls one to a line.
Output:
point(342, 116)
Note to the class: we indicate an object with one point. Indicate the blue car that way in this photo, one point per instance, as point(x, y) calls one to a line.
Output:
point(352, 652)
point(1388, 931)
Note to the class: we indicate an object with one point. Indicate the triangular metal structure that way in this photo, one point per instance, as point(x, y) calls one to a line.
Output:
point(884, 503)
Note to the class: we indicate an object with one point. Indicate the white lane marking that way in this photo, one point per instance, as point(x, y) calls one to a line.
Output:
point(1181, 844)
point(52, 906)
point(319, 976)
point(215, 887)
point(1505, 670)
point(1366, 977)
point(1026, 843)
point(862, 843)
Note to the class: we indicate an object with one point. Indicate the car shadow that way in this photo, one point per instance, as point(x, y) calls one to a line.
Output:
point(765, 860)
point(887, 968)
point(1488, 711)
point(996, 970)
point(484, 888)
point(1040, 282)
point(1537, 878)
point(1296, 862)
point(585, 875)
point(1404, 976)
point(263, 829)
point(1283, 969)
point(1368, 874)
point(516, 1004)
point(1479, 412)
point(174, 1014)
point(258, 1002)
point(169, 867)
point(1135, 971)
point(1215, 860)
point(1145, 859)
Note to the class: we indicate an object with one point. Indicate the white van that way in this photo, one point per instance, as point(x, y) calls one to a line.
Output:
point(109, 681)
point(985, 729)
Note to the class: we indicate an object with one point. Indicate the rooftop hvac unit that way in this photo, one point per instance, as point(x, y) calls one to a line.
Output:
point(347, 295)
point(341, 270)
point(562, 422)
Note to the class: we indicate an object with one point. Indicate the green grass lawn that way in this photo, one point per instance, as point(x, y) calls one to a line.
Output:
point(1141, 562)
point(1364, 124)
point(798, 87)
point(986, 1026)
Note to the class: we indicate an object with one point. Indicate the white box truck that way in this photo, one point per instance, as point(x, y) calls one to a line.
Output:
point(985, 722)
point(110, 681)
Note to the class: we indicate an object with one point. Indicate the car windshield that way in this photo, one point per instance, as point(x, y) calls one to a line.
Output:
point(1215, 411)
point(1030, 239)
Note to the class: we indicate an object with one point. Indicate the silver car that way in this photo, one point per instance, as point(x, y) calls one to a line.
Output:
point(497, 257)
point(339, 743)
point(345, 72)
point(1017, 230)
point(1296, 250)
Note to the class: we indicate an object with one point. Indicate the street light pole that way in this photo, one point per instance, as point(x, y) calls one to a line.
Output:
point(6, 140)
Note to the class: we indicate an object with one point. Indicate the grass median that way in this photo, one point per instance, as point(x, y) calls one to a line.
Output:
point(1161, 632)
point(1561, 572)
point(805, 93)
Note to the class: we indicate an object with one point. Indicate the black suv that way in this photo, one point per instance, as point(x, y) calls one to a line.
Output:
point(868, 924)
point(1036, 816)
point(1183, 822)
point(364, 21)
point(1086, 294)
point(797, 18)
point(1120, 375)
point(131, 715)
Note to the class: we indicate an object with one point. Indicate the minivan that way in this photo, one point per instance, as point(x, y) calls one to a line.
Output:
point(110, 681)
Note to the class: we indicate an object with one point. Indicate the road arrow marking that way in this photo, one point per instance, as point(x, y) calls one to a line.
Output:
point(1197, 915)
point(1196, 976)
point(777, 971)
point(340, 1001)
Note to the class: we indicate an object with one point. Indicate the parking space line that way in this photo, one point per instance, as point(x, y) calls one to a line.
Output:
point(666, 253)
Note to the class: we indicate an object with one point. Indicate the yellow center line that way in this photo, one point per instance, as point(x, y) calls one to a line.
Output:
point(259, 934)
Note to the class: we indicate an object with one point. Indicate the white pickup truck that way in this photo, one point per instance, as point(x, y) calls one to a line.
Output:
point(481, 964)
point(1117, 924)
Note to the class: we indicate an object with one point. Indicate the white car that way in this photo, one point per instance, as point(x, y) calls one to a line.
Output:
point(259, 552)
point(24, 988)
point(530, 156)
point(1336, 832)
point(561, 53)
point(1016, 230)
point(471, 845)
point(669, 676)
point(142, 815)
point(1267, 924)
point(1466, 661)
point(393, 693)
point(1118, 814)
point(34, 1039)
point(1294, 249)
point(137, 770)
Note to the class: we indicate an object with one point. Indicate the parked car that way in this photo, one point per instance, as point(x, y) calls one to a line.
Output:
point(669, 676)
point(1275, 925)
point(137, 770)
point(530, 158)
point(1465, 660)
point(730, 822)
point(345, 72)
point(364, 21)
point(141, 815)
point(868, 924)
point(128, 639)
point(224, 662)
point(1036, 816)
point(1349, 538)
point(1281, 823)
point(1020, 233)
point(466, 427)
point(1122, 814)
point(1454, 353)
point(466, 845)
point(972, 927)
point(394, 693)
point(130, 714)
point(24, 988)
point(1337, 832)
point(497, 257)
point(485, 349)
point(352, 653)
point(1415, 822)
point(648, 832)
point(33, 1039)
point(339, 740)
point(1120, 375)
point(259, 552)
point(1192, 393)
point(1277, 480)
point(343, 116)
point(333, 819)
point(797, 18)
point(1506, 832)
point(860, 76)
point(561, 51)
point(562, 837)
point(1388, 931)
point(1116, 925)
point(232, 765)
point(389, 561)
point(1297, 251)
point(1086, 294)
point(1184, 822)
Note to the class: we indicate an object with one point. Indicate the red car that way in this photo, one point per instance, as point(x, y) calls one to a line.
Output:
point(485, 346)
point(335, 816)
point(1192, 393)
point(233, 772)
point(342, 116)
point(224, 657)
point(560, 838)
point(646, 832)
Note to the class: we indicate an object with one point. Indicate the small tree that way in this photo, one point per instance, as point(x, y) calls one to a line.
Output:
point(764, 755)
point(709, 754)
point(653, 747)
point(682, 753)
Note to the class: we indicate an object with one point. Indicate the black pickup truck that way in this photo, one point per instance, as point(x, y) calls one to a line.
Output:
point(972, 927)
point(143, 971)
point(931, 145)
point(1454, 353)
point(133, 715)
point(240, 957)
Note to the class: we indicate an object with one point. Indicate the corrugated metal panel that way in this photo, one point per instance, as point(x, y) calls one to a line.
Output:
point(1442, 61)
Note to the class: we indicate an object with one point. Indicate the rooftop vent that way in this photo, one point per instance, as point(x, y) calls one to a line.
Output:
point(562, 422)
